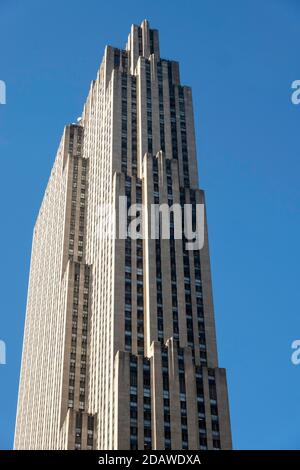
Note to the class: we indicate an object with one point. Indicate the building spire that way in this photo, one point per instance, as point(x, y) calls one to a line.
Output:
point(142, 41)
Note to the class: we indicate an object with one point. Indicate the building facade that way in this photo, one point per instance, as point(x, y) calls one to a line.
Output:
point(119, 344)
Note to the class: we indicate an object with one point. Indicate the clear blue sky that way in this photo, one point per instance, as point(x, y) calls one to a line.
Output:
point(240, 57)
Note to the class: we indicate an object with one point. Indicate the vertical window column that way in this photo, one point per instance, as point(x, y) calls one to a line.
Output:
point(133, 403)
point(187, 281)
point(201, 409)
point(214, 409)
point(147, 405)
point(128, 276)
point(124, 123)
point(182, 396)
point(198, 289)
point(140, 279)
point(133, 127)
point(173, 113)
point(159, 297)
point(78, 431)
point(149, 107)
point(185, 158)
point(90, 432)
point(161, 107)
point(172, 254)
point(166, 397)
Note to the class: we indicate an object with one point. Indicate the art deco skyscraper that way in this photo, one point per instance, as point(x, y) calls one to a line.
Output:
point(119, 346)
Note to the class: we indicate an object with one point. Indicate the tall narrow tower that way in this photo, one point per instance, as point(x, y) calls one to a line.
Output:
point(119, 345)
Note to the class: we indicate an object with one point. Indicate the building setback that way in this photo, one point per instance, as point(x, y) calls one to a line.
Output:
point(119, 345)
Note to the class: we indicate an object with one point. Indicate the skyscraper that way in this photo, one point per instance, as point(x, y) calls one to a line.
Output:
point(119, 345)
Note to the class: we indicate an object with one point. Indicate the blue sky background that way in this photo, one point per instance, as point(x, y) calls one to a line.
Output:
point(240, 57)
